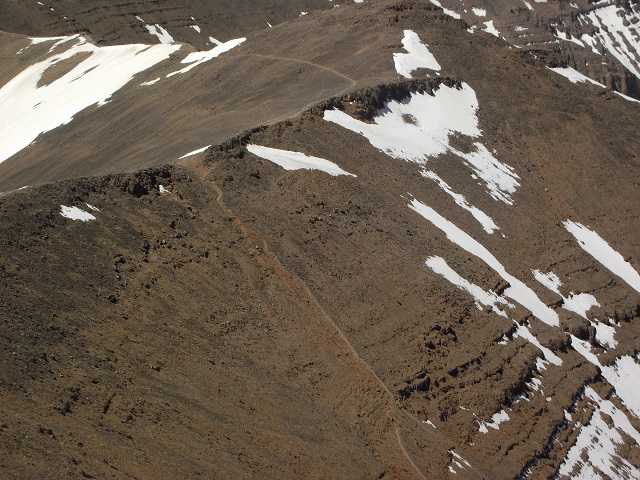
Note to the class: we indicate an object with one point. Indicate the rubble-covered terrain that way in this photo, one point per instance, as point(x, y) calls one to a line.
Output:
point(371, 241)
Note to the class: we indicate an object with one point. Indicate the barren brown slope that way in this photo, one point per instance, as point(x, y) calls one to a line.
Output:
point(116, 22)
point(261, 321)
point(275, 74)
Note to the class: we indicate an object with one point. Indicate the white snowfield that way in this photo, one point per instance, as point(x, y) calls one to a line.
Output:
point(418, 56)
point(28, 109)
point(198, 58)
point(419, 127)
point(75, 213)
point(296, 160)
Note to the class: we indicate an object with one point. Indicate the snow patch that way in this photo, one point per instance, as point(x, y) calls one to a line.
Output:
point(578, 303)
point(623, 374)
point(75, 213)
point(296, 160)
point(485, 220)
point(195, 152)
point(418, 56)
point(595, 448)
point(495, 422)
point(28, 110)
point(451, 13)
point(574, 75)
point(198, 58)
point(490, 28)
point(482, 297)
point(419, 127)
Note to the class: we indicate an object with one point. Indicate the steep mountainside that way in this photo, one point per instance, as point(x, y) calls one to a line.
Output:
point(190, 21)
point(398, 249)
point(599, 39)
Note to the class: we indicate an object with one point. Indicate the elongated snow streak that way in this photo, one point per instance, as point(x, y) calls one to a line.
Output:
point(195, 152)
point(489, 299)
point(574, 76)
point(523, 332)
point(598, 248)
point(485, 220)
point(577, 77)
point(517, 290)
point(451, 13)
point(596, 445)
point(627, 98)
point(419, 127)
point(482, 297)
point(198, 58)
point(579, 303)
point(500, 179)
point(457, 462)
point(296, 160)
point(418, 56)
point(28, 110)
point(150, 82)
point(75, 213)
point(623, 375)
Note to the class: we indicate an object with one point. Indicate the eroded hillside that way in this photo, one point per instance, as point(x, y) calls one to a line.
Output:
point(419, 260)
